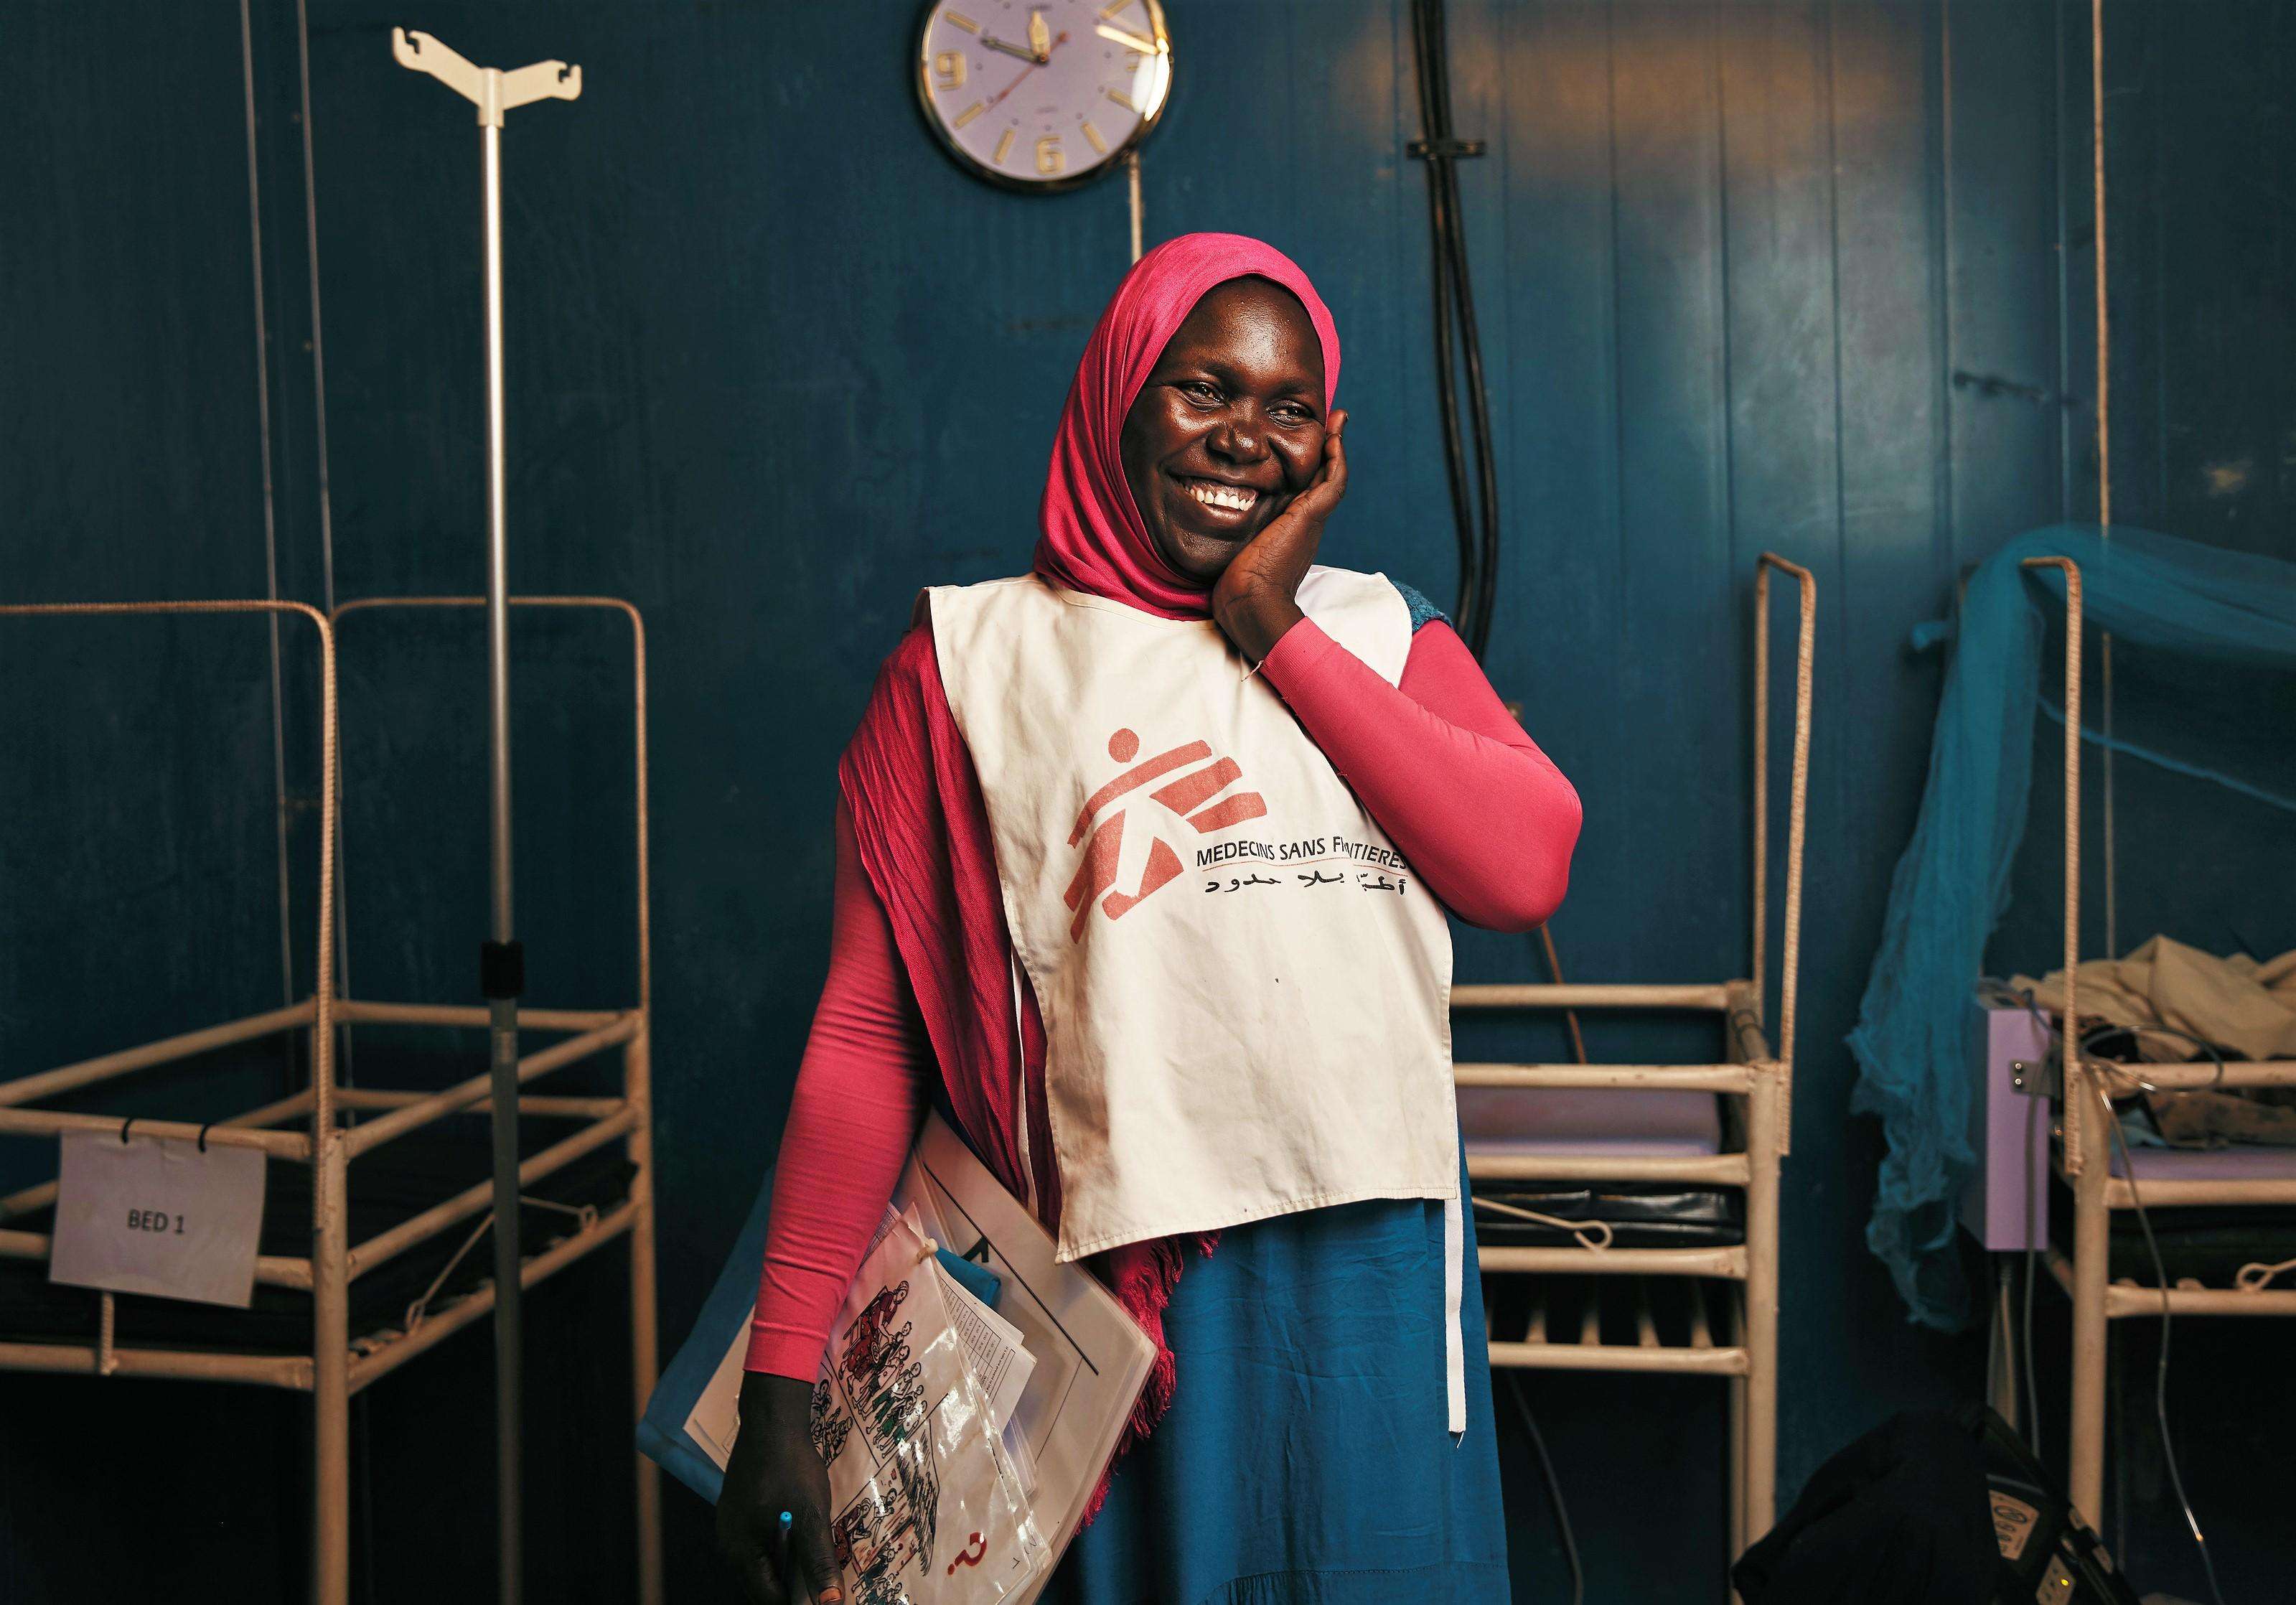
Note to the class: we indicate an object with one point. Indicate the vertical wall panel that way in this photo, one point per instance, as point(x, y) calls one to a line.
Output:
point(1785, 384)
point(139, 877)
point(1561, 594)
point(1676, 639)
point(2215, 422)
point(1895, 570)
point(2001, 265)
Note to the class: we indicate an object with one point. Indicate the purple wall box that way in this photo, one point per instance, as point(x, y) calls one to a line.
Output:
point(2008, 1132)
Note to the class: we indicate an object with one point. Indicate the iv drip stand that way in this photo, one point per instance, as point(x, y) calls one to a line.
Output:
point(502, 961)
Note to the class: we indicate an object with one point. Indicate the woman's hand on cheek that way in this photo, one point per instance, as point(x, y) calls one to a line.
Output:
point(1255, 600)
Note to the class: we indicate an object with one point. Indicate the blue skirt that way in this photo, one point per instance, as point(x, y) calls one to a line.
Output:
point(1304, 1460)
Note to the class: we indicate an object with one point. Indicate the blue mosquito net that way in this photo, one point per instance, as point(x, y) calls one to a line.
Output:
point(1951, 886)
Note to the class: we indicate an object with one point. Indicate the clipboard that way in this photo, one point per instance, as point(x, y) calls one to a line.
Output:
point(1092, 1359)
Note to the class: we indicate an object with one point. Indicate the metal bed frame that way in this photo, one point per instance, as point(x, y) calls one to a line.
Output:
point(1739, 1341)
point(344, 1123)
point(2082, 1152)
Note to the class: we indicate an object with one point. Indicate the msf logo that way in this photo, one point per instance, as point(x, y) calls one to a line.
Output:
point(1190, 794)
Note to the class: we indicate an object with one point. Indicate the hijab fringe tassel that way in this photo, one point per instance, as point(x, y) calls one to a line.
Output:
point(1142, 1276)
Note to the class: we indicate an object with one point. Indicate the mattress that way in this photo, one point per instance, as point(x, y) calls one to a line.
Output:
point(1600, 1123)
point(1591, 1122)
point(2210, 1250)
point(2257, 1164)
point(1640, 1215)
point(2208, 1243)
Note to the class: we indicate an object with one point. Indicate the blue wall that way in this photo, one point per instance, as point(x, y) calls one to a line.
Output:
point(775, 363)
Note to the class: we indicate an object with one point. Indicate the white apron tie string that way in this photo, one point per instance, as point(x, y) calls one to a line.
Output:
point(1455, 1344)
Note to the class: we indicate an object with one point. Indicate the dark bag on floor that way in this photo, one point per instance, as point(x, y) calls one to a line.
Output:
point(1930, 1508)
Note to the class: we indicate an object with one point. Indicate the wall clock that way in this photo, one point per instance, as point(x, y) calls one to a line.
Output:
point(1042, 95)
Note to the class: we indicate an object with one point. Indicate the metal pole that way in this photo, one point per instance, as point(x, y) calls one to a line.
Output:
point(1757, 1505)
point(2086, 1159)
point(502, 964)
point(504, 1028)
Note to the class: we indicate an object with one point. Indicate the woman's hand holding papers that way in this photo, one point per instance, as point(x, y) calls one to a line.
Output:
point(776, 1468)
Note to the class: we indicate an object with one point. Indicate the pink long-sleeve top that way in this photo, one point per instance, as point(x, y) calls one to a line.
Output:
point(1486, 821)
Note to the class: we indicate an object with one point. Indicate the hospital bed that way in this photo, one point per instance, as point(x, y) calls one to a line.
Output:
point(2105, 1177)
point(345, 1244)
point(1658, 1183)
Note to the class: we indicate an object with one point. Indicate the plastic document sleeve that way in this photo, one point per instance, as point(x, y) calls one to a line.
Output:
point(1089, 1358)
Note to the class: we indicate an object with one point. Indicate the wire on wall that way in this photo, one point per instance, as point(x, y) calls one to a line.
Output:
point(270, 523)
point(2104, 446)
point(1554, 1489)
point(346, 1046)
point(347, 1064)
point(1475, 511)
point(2160, 1363)
point(2072, 1054)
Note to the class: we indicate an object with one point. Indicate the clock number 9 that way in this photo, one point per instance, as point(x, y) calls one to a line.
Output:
point(949, 70)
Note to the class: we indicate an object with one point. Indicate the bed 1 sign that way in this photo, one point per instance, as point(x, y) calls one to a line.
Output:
point(158, 1215)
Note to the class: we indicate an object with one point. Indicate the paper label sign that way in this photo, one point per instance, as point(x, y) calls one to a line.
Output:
point(157, 1215)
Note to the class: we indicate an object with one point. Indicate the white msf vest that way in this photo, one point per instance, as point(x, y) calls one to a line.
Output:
point(1245, 989)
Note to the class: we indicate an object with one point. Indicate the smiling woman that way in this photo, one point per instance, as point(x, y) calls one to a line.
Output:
point(1229, 427)
point(1228, 436)
point(1158, 1057)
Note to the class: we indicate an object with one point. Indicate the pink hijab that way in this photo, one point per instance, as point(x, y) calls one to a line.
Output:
point(919, 819)
point(1091, 537)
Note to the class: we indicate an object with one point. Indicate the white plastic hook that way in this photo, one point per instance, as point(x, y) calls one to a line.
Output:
point(491, 90)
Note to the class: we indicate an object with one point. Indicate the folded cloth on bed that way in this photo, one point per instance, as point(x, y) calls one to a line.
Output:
point(1951, 885)
point(2199, 1119)
point(2182, 1004)
point(2232, 1002)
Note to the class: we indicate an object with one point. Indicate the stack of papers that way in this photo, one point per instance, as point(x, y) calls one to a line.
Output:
point(1020, 1407)
point(999, 1359)
point(993, 1346)
point(924, 1503)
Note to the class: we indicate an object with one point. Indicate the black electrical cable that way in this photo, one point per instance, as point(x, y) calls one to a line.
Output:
point(1454, 319)
point(2161, 1368)
point(2036, 1213)
point(1434, 122)
point(1474, 507)
point(2070, 1054)
point(1471, 342)
point(1554, 1489)
point(2160, 1278)
point(1474, 511)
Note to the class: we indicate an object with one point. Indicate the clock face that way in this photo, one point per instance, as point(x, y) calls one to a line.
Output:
point(1046, 94)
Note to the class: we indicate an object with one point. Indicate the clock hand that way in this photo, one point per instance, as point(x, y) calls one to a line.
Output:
point(1012, 50)
point(1040, 37)
point(1025, 71)
point(1130, 41)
